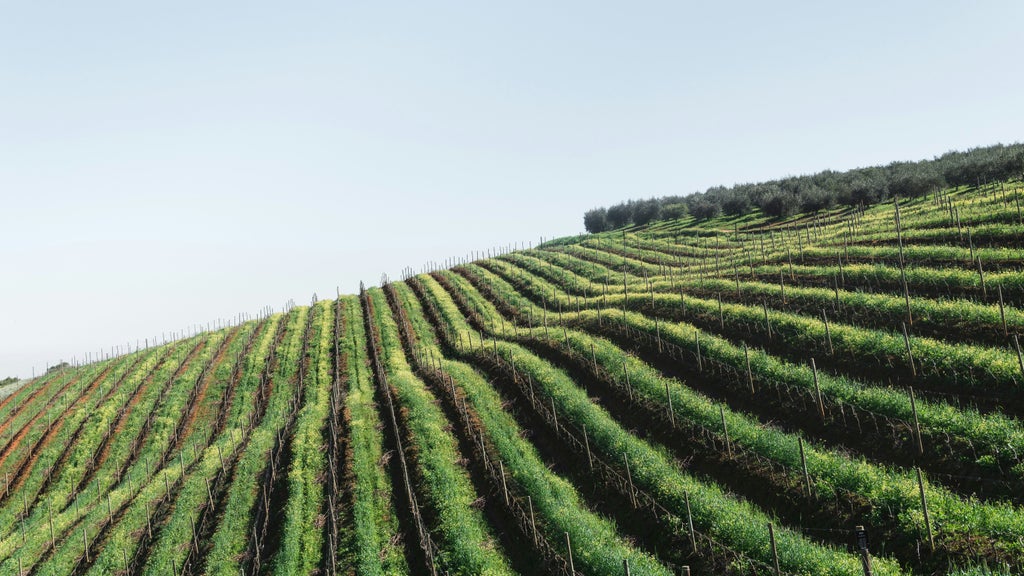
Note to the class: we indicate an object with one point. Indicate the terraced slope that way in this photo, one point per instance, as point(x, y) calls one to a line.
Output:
point(731, 396)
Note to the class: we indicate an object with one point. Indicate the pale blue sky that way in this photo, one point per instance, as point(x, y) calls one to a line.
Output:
point(166, 164)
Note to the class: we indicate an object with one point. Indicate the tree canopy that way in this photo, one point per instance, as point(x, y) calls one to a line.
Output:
point(826, 189)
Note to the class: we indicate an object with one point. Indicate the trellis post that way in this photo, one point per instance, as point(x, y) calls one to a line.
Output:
point(917, 423)
point(924, 508)
point(775, 550)
point(803, 464)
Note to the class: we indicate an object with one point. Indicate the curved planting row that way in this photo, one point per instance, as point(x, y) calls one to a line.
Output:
point(991, 434)
point(994, 435)
point(735, 524)
point(231, 549)
point(300, 549)
point(371, 542)
point(731, 395)
point(182, 521)
point(544, 506)
point(78, 510)
point(887, 492)
point(955, 320)
point(466, 543)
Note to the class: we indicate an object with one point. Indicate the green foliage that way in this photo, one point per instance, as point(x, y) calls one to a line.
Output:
point(108, 454)
point(467, 544)
point(888, 490)
point(231, 538)
point(674, 211)
point(734, 522)
point(857, 187)
point(598, 549)
point(176, 535)
point(704, 209)
point(301, 546)
point(596, 220)
point(370, 543)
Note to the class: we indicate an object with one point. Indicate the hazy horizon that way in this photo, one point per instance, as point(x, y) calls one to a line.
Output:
point(165, 166)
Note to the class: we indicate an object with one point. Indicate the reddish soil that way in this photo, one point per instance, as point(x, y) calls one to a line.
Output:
point(194, 408)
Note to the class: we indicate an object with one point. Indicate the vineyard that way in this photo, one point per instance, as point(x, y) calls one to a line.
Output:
point(836, 393)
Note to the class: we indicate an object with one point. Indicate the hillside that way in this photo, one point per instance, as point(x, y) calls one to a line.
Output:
point(733, 395)
point(8, 388)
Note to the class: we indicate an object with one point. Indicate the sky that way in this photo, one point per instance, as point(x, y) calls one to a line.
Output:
point(165, 165)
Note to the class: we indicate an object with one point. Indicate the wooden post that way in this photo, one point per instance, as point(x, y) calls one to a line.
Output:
point(775, 550)
point(657, 328)
point(696, 340)
point(910, 353)
point(924, 508)
point(917, 424)
point(767, 322)
point(593, 356)
point(483, 447)
point(533, 521)
point(835, 288)
point(504, 486)
point(554, 415)
point(629, 388)
point(828, 332)
point(586, 443)
point(1020, 361)
point(625, 565)
point(689, 522)
point(750, 375)
point(862, 547)
point(725, 429)
point(568, 547)
point(803, 464)
point(1002, 313)
point(629, 477)
point(981, 277)
point(195, 535)
point(49, 513)
point(817, 391)
point(671, 412)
